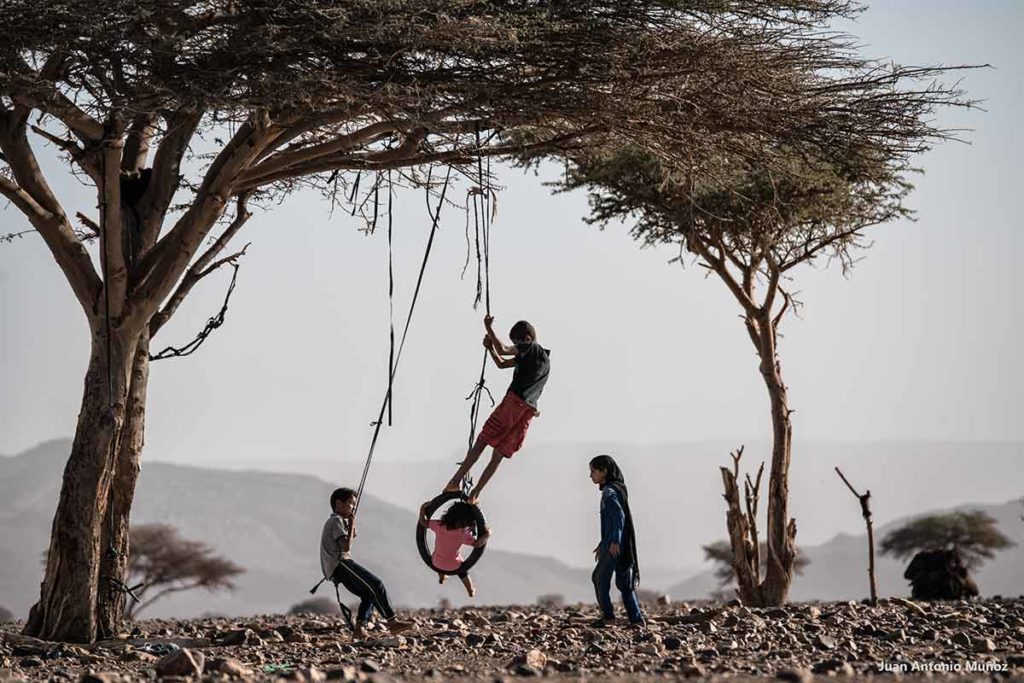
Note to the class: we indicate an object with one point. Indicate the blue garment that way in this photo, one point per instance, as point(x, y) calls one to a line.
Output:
point(613, 519)
point(602, 578)
point(613, 525)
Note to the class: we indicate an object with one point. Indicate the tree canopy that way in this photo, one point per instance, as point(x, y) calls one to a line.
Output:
point(972, 533)
point(162, 563)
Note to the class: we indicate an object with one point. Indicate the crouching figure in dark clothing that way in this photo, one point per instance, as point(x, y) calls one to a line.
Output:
point(616, 553)
point(338, 566)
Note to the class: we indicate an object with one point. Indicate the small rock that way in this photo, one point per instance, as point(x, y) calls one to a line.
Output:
point(664, 600)
point(228, 667)
point(370, 666)
point(961, 639)
point(474, 639)
point(825, 642)
point(536, 659)
point(673, 643)
point(243, 636)
point(983, 645)
point(298, 638)
point(795, 675)
point(528, 671)
point(181, 663)
point(101, 677)
point(30, 662)
point(693, 670)
point(708, 627)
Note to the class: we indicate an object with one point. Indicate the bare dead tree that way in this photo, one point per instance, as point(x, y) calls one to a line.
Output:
point(865, 511)
point(163, 563)
point(183, 115)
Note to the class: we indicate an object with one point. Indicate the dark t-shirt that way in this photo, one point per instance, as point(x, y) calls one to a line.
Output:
point(531, 373)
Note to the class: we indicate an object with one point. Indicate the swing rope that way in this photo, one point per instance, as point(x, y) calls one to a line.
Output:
point(481, 217)
point(385, 405)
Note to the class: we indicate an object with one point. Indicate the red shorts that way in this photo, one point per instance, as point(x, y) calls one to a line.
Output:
point(506, 428)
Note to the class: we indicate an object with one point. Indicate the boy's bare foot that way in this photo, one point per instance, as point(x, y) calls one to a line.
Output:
point(396, 626)
point(441, 578)
point(470, 588)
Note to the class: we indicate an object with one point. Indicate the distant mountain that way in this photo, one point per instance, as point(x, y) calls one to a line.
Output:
point(542, 502)
point(838, 568)
point(268, 523)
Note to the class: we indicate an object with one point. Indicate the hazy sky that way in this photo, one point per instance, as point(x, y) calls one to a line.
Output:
point(921, 342)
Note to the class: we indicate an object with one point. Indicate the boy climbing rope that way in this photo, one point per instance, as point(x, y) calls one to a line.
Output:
point(506, 428)
point(338, 566)
point(451, 532)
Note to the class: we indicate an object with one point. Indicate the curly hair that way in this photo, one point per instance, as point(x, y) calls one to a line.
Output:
point(460, 515)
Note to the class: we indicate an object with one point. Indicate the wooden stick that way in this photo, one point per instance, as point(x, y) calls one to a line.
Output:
point(865, 511)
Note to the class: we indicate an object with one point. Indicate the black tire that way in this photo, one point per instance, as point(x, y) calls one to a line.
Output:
point(421, 534)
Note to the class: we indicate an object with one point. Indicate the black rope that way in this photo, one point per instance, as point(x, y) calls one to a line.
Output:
point(355, 192)
point(483, 264)
point(211, 325)
point(391, 295)
point(401, 345)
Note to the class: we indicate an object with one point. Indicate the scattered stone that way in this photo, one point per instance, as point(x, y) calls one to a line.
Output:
point(369, 666)
point(228, 667)
point(664, 600)
point(181, 663)
point(824, 642)
point(101, 677)
point(672, 643)
point(244, 636)
point(983, 645)
point(795, 675)
point(961, 639)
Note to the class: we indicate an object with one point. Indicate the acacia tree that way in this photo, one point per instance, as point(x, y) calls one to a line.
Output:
point(136, 98)
point(163, 563)
point(752, 224)
point(972, 533)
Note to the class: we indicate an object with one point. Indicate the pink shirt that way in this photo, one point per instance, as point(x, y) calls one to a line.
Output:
point(447, 543)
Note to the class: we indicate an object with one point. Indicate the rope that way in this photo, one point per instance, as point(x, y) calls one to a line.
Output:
point(401, 345)
point(211, 324)
point(391, 295)
point(483, 234)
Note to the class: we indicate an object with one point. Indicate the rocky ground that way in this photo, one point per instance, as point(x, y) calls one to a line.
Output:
point(898, 638)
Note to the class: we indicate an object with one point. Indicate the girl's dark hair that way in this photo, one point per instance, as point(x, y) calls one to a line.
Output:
point(459, 516)
point(612, 472)
point(521, 330)
point(342, 495)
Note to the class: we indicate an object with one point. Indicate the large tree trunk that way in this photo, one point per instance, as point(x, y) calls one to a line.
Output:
point(780, 534)
point(114, 565)
point(66, 610)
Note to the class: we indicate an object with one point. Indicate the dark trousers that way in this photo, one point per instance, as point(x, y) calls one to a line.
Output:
point(602, 578)
point(362, 583)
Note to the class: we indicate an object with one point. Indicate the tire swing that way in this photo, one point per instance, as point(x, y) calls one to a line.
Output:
point(421, 533)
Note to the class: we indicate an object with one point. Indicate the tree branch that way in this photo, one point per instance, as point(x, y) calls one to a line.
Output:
point(44, 96)
point(172, 253)
point(201, 268)
point(163, 182)
point(283, 160)
point(136, 146)
point(45, 212)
